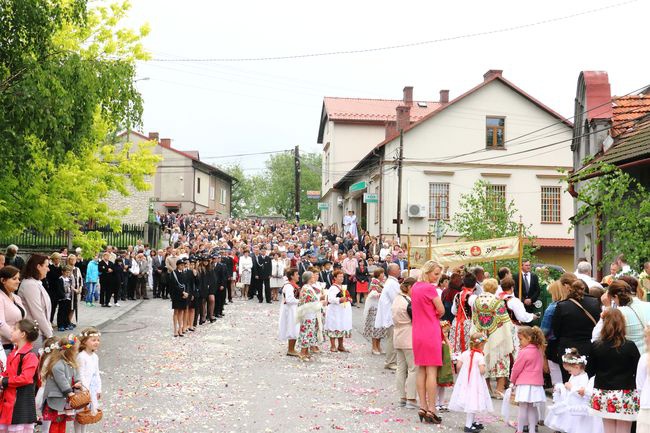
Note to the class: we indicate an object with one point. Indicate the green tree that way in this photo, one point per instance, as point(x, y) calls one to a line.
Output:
point(245, 192)
point(66, 87)
point(485, 214)
point(620, 207)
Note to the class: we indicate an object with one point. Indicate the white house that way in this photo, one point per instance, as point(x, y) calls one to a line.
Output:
point(495, 132)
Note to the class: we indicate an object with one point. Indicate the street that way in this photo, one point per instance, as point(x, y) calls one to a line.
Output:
point(233, 376)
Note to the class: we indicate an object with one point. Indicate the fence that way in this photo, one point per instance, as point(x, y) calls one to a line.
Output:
point(32, 239)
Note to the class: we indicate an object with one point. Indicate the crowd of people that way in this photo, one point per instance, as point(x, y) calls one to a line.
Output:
point(456, 338)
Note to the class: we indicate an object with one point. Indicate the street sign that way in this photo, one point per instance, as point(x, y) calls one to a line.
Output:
point(359, 186)
point(313, 194)
point(323, 206)
point(370, 198)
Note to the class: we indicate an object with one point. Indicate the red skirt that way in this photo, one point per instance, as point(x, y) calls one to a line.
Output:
point(50, 414)
point(362, 287)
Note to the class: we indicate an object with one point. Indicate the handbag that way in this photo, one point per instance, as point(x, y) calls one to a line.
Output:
point(86, 416)
point(80, 399)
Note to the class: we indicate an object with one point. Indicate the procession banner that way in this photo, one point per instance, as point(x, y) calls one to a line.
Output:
point(417, 256)
point(476, 251)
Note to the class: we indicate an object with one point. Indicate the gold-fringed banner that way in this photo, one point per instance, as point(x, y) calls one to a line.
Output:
point(475, 251)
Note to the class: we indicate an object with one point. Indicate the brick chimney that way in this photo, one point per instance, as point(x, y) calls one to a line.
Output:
point(391, 129)
point(166, 142)
point(492, 73)
point(403, 117)
point(408, 95)
point(154, 136)
point(444, 96)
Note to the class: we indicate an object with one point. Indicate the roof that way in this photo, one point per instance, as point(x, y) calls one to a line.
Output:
point(172, 204)
point(632, 144)
point(626, 110)
point(370, 111)
point(191, 154)
point(373, 110)
point(554, 242)
point(443, 107)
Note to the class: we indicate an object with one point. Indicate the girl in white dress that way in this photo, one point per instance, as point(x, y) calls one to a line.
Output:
point(88, 362)
point(245, 268)
point(338, 321)
point(288, 329)
point(570, 411)
point(471, 394)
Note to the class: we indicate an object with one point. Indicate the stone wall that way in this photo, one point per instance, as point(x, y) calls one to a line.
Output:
point(137, 203)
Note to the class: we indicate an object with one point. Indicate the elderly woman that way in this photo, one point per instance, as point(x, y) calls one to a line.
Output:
point(35, 299)
point(490, 317)
point(370, 311)
point(558, 293)
point(288, 329)
point(11, 306)
point(405, 377)
point(245, 268)
point(307, 314)
point(77, 285)
point(574, 320)
point(338, 321)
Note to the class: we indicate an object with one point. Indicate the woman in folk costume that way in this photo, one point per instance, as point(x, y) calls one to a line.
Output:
point(288, 328)
point(308, 315)
point(370, 311)
point(338, 324)
point(490, 317)
point(462, 311)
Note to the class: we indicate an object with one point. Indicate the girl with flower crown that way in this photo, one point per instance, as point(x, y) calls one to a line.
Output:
point(570, 411)
point(61, 377)
point(471, 394)
point(89, 370)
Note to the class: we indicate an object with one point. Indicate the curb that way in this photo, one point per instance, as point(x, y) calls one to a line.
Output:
point(123, 312)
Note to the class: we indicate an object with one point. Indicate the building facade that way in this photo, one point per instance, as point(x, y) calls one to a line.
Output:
point(182, 183)
point(494, 132)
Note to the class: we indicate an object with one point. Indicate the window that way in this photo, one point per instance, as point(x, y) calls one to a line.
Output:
point(223, 196)
point(198, 185)
point(495, 132)
point(551, 204)
point(496, 194)
point(211, 193)
point(439, 201)
point(326, 167)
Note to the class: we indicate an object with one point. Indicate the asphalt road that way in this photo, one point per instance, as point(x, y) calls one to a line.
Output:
point(234, 376)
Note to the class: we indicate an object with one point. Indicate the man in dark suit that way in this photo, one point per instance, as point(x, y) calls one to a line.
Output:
point(303, 265)
point(228, 262)
point(530, 286)
point(256, 273)
point(157, 266)
point(325, 276)
point(221, 280)
point(107, 280)
point(266, 280)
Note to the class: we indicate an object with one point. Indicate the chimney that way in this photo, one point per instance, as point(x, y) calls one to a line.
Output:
point(154, 136)
point(444, 96)
point(408, 95)
point(403, 117)
point(166, 142)
point(391, 129)
point(492, 73)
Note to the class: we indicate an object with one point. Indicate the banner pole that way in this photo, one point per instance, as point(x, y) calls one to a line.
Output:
point(408, 249)
point(521, 253)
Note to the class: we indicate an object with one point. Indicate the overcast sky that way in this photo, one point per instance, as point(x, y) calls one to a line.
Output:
point(226, 108)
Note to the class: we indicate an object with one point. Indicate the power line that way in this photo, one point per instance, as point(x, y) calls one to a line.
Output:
point(246, 154)
point(400, 46)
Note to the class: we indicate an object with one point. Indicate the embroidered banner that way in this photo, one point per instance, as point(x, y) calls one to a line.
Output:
point(417, 256)
point(475, 251)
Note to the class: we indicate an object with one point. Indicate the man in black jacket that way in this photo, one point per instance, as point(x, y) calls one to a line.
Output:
point(256, 272)
point(228, 262)
point(221, 279)
point(530, 286)
point(325, 276)
point(107, 280)
point(265, 276)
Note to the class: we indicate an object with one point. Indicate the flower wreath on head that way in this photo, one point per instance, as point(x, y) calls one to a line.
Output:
point(50, 348)
point(90, 334)
point(71, 340)
point(480, 339)
point(574, 360)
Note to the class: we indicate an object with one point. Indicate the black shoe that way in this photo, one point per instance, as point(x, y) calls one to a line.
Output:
point(478, 425)
point(124, 299)
point(269, 302)
point(107, 306)
point(471, 429)
point(202, 322)
point(260, 302)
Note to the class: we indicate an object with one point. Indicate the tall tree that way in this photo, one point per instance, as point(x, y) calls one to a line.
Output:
point(66, 87)
point(620, 207)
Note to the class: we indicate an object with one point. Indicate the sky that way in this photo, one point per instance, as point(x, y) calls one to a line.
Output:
point(227, 108)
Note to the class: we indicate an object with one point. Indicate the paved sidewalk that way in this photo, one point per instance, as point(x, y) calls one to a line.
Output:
point(100, 317)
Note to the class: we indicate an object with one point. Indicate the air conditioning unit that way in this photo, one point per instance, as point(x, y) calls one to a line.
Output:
point(417, 211)
point(339, 201)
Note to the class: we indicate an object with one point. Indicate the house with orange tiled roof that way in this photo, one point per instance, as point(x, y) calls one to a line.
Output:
point(494, 131)
point(608, 129)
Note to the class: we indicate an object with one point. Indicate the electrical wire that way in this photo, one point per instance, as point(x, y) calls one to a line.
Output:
point(401, 46)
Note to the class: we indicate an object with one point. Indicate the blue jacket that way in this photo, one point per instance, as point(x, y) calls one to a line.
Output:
point(92, 272)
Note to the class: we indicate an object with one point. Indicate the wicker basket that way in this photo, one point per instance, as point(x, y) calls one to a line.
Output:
point(80, 399)
point(86, 417)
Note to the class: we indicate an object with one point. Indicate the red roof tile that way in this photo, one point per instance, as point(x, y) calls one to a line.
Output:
point(374, 110)
point(554, 242)
point(627, 109)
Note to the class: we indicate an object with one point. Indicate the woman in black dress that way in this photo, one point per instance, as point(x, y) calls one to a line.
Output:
point(179, 295)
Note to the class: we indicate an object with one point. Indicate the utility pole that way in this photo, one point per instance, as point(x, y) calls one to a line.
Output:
point(296, 155)
point(399, 183)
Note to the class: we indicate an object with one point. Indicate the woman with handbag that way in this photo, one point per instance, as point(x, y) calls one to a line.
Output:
point(60, 385)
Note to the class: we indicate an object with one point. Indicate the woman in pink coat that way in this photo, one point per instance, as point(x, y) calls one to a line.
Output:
point(427, 309)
